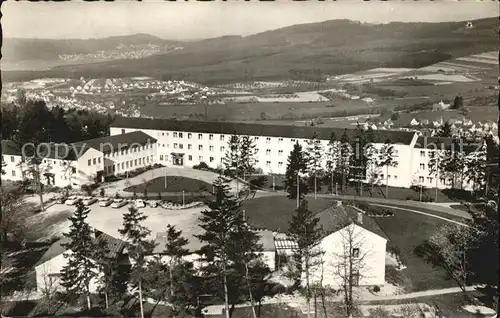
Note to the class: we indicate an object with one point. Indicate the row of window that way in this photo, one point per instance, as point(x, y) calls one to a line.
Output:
point(130, 164)
point(442, 181)
point(211, 137)
point(126, 151)
point(389, 177)
point(94, 161)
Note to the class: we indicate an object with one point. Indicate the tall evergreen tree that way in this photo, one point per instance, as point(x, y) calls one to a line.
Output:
point(296, 166)
point(314, 159)
point(218, 223)
point(175, 250)
point(247, 155)
point(387, 158)
point(232, 159)
point(332, 156)
point(445, 130)
point(306, 231)
point(137, 235)
point(245, 250)
point(80, 269)
point(346, 152)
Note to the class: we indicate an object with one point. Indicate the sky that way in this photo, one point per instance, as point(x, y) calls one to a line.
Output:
point(196, 20)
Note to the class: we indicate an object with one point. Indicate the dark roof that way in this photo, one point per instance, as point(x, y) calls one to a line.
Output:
point(10, 148)
point(251, 129)
point(445, 143)
point(115, 246)
point(108, 144)
point(54, 151)
point(335, 218)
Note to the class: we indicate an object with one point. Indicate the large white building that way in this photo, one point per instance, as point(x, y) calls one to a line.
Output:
point(188, 143)
point(80, 163)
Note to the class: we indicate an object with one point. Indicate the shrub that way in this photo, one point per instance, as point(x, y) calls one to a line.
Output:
point(201, 166)
point(376, 289)
point(102, 192)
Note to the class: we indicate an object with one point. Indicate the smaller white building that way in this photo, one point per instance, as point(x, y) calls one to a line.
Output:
point(48, 268)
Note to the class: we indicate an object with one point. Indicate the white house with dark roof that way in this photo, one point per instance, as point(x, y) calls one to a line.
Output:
point(350, 240)
point(48, 268)
point(80, 163)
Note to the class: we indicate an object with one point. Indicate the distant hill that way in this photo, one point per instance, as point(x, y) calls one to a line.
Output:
point(19, 49)
point(331, 47)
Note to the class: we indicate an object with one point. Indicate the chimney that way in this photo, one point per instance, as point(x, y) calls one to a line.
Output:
point(360, 218)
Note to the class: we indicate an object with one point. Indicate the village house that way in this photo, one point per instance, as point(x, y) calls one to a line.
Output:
point(48, 268)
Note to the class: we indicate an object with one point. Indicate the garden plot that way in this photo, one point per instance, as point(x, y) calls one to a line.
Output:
point(445, 78)
point(478, 60)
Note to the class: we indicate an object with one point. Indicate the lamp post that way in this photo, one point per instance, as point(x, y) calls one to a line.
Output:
point(165, 176)
point(183, 201)
point(299, 175)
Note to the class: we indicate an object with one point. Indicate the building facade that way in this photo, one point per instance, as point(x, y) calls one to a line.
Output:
point(188, 143)
point(80, 163)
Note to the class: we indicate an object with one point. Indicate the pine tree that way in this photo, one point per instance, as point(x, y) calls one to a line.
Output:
point(175, 250)
point(80, 269)
point(332, 156)
point(387, 158)
point(475, 168)
point(314, 159)
point(346, 153)
point(134, 232)
point(445, 130)
point(306, 231)
point(296, 165)
point(232, 158)
point(245, 250)
point(247, 155)
point(218, 223)
point(107, 267)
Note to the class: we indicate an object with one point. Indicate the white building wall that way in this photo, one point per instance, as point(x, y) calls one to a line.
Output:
point(48, 275)
point(372, 250)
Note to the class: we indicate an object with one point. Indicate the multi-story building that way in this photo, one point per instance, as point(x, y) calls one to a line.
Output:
point(188, 143)
point(82, 162)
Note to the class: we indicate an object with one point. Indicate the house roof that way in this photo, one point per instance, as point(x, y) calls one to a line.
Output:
point(108, 144)
point(335, 218)
point(251, 129)
point(115, 246)
point(444, 143)
point(9, 147)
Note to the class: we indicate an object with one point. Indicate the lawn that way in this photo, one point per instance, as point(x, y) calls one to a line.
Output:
point(406, 231)
point(275, 212)
point(175, 184)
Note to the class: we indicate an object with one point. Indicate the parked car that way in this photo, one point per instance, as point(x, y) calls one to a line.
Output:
point(153, 203)
point(72, 200)
point(139, 203)
point(118, 203)
point(105, 201)
point(62, 199)
point(89, 200)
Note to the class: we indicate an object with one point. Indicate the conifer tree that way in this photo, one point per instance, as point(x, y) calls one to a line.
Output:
point(387, 158)
point(345, 157)
point(247, 155)
point(175, 250)
point(445, 130)
point(314, 159)
point(80, 269)
point(306, 232)
point(332, 156)
point(232, 158)
point(296, 165)
point(136, 234)
point(218, 223)
point(107, 268)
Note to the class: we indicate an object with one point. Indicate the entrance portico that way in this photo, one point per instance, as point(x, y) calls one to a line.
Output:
point(177, 159)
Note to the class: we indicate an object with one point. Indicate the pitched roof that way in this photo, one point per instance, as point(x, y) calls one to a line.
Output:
point(445, 143)
point(109, 144)
point(10, 148)
point(251, 129)
point(115, 246)
point(336, 218)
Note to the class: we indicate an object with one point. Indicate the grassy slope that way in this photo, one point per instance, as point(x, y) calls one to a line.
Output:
point(272, 54)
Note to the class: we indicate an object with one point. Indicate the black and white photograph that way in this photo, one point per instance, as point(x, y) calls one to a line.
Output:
point(245, 159)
